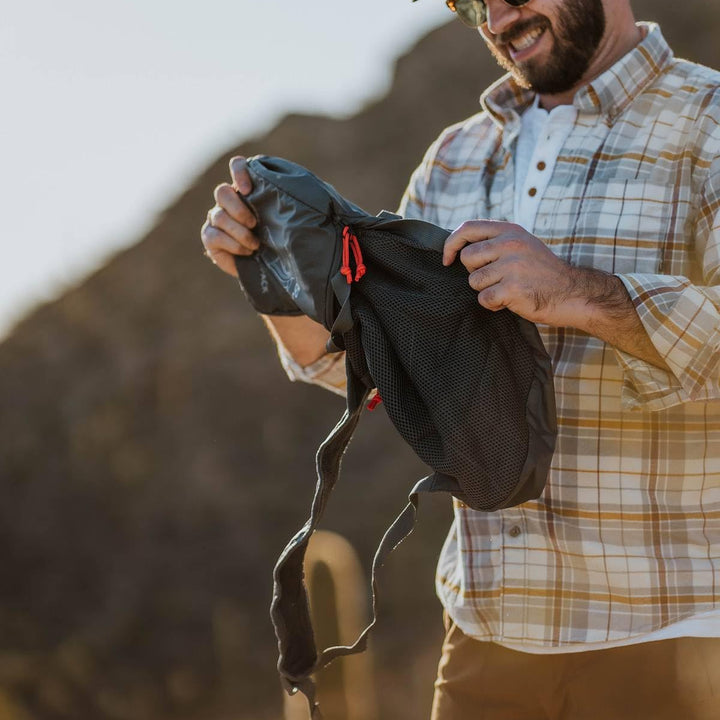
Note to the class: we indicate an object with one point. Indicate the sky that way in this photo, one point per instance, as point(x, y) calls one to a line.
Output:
point(111, 109)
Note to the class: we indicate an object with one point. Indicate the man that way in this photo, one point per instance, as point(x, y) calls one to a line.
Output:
point(602, 598)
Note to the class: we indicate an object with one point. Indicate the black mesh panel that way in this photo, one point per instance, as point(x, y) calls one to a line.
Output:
point(454, 376)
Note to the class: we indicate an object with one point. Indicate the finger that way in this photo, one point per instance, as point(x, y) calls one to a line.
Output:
point(228, 199)
point(224, 260)
point(221, 220)
point(470, 232)
point(480, 254)
point(215, 239)
point(493, 297)
point(240, 175)
point(485, 277)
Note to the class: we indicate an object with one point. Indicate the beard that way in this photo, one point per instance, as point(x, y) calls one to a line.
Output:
point(580, 28)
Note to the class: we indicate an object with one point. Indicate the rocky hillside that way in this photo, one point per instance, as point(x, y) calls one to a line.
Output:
point(154, 461)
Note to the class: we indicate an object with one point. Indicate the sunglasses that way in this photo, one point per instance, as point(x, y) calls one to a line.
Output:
point(473, 13)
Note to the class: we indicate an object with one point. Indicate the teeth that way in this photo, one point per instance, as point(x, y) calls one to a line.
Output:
point(527, 40)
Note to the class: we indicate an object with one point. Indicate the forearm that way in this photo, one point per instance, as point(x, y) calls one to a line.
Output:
point(301, 347)
point(303, 338)
point(600, 305)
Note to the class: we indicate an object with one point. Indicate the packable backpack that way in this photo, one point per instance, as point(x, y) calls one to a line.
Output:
point(470, 390)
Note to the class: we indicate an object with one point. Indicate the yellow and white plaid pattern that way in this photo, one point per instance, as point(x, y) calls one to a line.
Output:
point(626, 537)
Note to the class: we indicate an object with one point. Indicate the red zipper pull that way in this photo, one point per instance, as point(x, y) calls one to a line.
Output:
point(376, 400)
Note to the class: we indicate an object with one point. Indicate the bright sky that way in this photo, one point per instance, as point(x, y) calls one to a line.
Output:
point(111, 108)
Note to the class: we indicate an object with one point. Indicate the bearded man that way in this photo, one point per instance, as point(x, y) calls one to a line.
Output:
point(595, 167)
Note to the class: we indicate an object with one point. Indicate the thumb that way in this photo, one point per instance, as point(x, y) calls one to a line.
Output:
point(240, 175)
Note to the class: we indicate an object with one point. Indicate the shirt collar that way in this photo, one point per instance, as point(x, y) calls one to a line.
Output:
point(609, 94)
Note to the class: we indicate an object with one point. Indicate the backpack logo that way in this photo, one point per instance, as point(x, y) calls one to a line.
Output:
point(264, 280)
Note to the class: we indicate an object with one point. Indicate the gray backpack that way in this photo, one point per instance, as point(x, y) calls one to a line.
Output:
point(470, 390)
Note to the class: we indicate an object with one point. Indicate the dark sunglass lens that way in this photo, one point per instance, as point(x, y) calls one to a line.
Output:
point(517, 3)
point(471, 12)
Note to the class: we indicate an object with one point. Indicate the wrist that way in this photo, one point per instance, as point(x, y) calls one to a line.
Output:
point(591, 299)
point(599, 300)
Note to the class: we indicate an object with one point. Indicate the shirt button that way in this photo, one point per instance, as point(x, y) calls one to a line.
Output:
point(541, 166)
point(532, 192)
point(514, 531)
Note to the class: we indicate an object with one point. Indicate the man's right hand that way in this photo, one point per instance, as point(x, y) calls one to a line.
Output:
point(228, 229)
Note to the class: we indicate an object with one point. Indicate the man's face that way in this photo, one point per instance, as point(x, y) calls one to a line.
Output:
point(549, 52)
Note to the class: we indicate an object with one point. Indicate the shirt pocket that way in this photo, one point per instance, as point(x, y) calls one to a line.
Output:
point(625, 222)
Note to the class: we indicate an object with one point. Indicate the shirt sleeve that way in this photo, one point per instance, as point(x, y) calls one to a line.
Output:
point(413, 204)
point(681, 319)
point(328, 372)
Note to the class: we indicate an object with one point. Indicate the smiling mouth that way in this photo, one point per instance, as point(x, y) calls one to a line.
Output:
point(525, 41)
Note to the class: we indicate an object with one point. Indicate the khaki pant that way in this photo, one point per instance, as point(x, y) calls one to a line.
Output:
point(668, 679)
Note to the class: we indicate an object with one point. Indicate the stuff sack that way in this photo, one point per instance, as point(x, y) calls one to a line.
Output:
point(470, 390)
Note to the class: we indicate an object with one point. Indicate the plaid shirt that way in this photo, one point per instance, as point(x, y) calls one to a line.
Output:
point(625, 539)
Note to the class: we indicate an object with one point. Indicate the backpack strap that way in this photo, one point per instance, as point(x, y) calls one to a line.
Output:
point(344, 320)
point(289, 611)
point(399, 529)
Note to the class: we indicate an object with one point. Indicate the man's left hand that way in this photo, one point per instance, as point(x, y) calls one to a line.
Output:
point(510, 268)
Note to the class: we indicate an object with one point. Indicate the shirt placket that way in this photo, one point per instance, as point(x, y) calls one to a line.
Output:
point(556, 129)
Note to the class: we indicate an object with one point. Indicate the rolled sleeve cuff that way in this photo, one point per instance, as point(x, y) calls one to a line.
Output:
point(327, 372)
point(683, 323)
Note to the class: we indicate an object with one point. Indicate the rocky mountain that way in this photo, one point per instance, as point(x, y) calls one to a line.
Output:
point(154, 460)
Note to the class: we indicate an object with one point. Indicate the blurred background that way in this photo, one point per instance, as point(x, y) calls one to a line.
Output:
point(153, 459)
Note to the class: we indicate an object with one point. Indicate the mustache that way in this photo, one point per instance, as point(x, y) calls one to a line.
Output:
point(519, 29)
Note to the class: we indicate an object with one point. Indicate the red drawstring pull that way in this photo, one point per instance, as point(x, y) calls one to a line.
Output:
point(345, 268)
point(350, 241)
point(359, 266)
point(374, 402)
